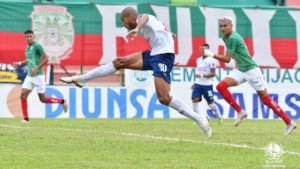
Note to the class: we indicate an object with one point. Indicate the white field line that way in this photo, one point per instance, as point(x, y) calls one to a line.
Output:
point(152, 137)
point(14, 126)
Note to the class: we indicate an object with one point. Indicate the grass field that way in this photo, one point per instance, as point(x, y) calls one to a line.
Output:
point(139, 144)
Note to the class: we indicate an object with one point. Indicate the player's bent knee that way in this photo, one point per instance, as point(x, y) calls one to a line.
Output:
point(119, 63)
point(43, 100)
point(222, 85)
point(164, 100)
point(196, 100)
point(23, 96)
point(116, 63)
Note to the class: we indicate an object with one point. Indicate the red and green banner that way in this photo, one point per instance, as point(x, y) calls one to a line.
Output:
point(92, 34)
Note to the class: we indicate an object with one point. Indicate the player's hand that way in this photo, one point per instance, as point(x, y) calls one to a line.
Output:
point(132, 34)
point(16, 64)
point(209, 53)
point(34, 71)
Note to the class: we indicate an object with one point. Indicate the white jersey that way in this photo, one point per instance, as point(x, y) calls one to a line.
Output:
point(159, 38)
point(204, 66)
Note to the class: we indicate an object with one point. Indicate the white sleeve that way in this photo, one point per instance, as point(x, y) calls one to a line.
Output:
point(139, 16)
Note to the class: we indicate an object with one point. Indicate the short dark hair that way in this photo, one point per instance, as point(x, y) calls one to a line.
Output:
point(29, 31)
point(206, 44)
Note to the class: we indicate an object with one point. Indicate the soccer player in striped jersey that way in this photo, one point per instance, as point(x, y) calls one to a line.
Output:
point(247, 70)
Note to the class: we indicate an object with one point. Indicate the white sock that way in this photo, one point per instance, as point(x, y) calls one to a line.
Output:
point(214, 108)
point(99, 71)
point(183, 109)
point(196, 108)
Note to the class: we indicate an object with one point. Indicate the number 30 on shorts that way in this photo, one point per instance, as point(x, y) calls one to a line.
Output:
point(162, 67)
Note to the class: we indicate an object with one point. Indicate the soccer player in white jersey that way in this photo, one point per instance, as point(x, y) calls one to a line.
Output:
point(205, 73)
point(160, 59)
point(247, 70)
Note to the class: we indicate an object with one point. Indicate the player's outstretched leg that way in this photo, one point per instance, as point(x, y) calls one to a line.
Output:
point(186, 111)
point(216, 111)
point(65, 105)
point(99, 71)
point(222, 87)
point(267, 100)
point(73, 79)
point(290, 128)
point(61, 101)
point(196, 107)
point(241, 116)
point(24, 110)
point(23, 97)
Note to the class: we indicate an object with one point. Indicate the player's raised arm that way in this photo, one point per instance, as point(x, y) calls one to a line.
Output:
point(141, 21)
point(224, 58)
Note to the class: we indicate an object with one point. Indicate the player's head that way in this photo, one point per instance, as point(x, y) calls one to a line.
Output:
point(128, 18)
point(203, 47)
point(226, 24)
point(29, 35)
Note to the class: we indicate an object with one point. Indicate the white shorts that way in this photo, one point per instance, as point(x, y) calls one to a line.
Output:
point(36, 81)
point(254, 77)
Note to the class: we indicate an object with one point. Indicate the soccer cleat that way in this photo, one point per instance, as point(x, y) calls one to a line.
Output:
point(65, 105)
point(209, 132)
point(204, 125)
point(72, 79)
point(241, 116)
point(290, 128)
point(25, 121)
